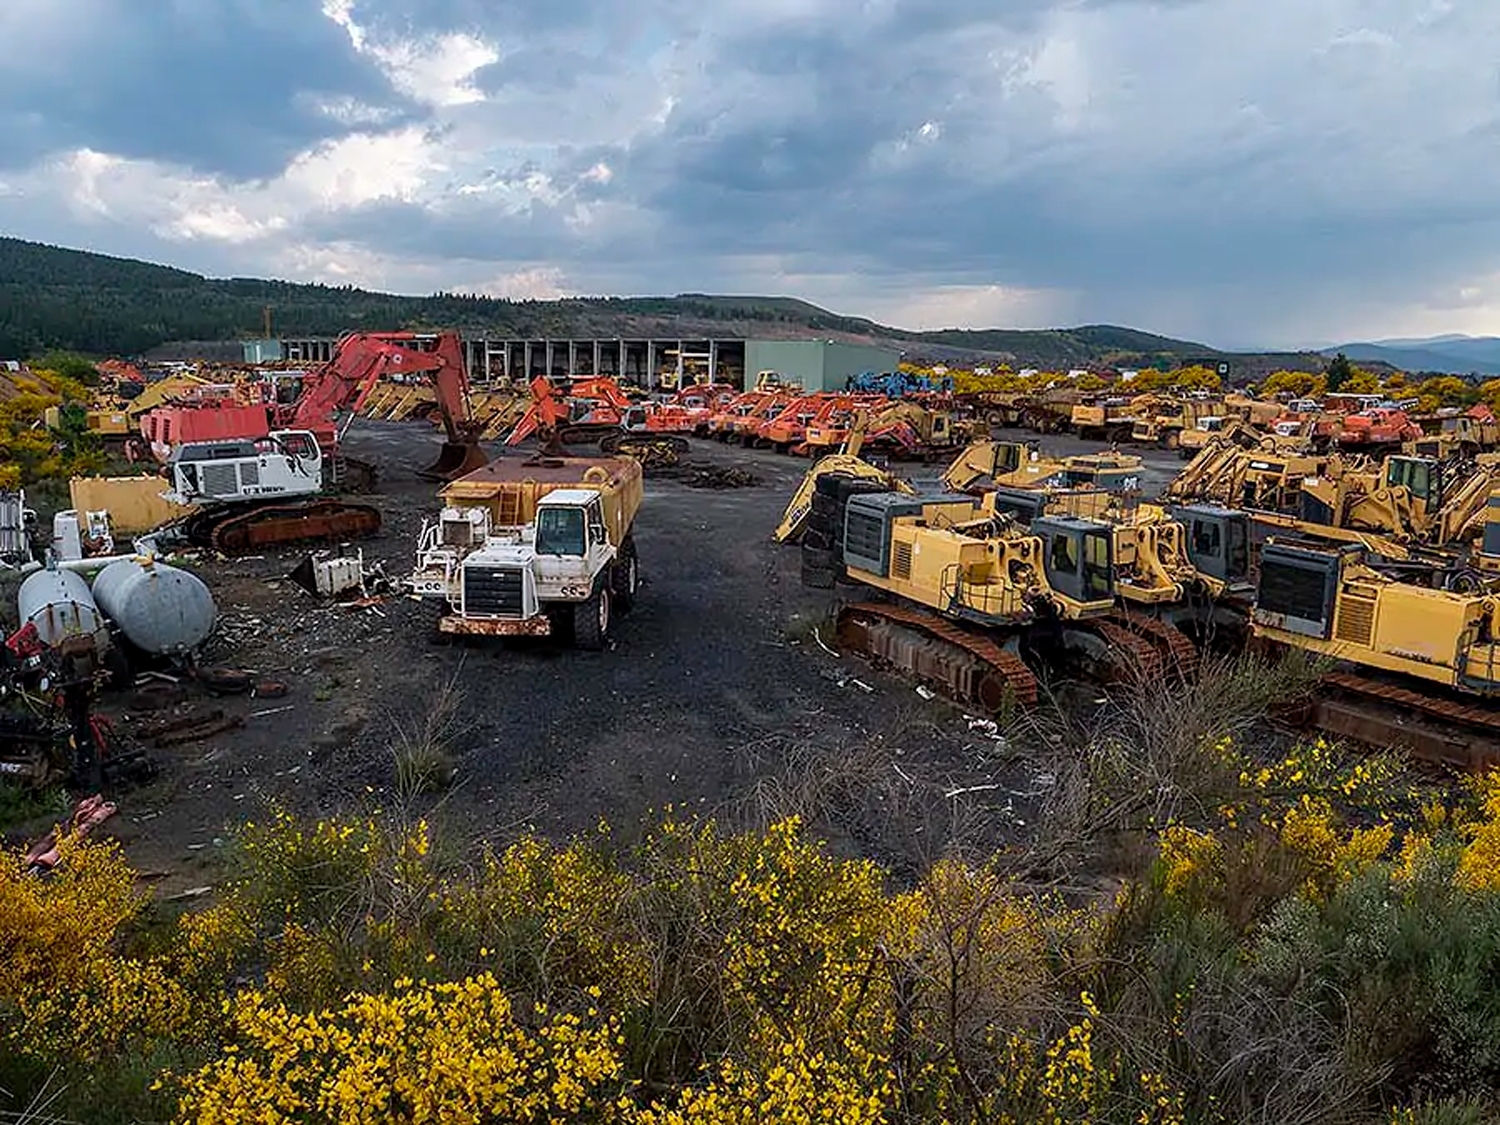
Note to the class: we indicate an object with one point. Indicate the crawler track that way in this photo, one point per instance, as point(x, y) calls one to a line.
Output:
point(320, 521)
point(1178, 651)
point(1132, 657)
point(969, 667)
point(1433, 726)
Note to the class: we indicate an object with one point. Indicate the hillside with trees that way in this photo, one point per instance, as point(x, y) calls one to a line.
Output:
point(52, 298)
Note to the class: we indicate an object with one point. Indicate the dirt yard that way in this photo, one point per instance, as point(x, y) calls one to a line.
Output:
point(715, 697)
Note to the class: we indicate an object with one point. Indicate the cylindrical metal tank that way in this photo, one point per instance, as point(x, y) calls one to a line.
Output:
point(65, 614)
point(161, 609)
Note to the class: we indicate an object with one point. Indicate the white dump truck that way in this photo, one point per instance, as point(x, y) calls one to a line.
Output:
point(536, 547)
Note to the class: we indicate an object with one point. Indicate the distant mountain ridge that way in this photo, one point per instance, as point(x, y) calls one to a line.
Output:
point(1449, 354)
point(52, 297)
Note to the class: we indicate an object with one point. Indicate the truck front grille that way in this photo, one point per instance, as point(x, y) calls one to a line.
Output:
point(493, 591)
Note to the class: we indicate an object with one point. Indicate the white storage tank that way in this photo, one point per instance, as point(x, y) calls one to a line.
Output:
point(59, 604)
point(162, 610)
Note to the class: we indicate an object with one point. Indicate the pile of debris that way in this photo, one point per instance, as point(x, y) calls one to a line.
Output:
point(708, 476)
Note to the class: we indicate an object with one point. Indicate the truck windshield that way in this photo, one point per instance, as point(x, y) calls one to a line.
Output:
point(559, 531)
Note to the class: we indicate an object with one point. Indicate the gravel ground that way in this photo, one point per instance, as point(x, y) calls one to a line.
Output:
point(715, 697)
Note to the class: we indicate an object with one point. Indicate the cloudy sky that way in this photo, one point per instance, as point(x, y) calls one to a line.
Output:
point(1244, 172)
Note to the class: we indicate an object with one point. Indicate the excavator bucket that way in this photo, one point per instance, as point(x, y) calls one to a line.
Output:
point(457, 459)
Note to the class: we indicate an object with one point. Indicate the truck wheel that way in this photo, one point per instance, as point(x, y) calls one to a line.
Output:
point(625, 577)
point(592, 619)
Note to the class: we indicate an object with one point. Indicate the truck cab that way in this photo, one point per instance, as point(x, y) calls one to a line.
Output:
point(561, 570)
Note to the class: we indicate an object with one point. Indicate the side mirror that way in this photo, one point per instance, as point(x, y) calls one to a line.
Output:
point(597, 533)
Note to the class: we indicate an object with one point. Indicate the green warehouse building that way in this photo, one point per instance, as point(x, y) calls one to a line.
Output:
point(819, 365)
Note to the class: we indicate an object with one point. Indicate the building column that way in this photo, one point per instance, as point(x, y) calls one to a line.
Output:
point(572, 359)
point(548, 356)
point(713, 361)
point(596, 359)
point(650, 373)
point(526, 358)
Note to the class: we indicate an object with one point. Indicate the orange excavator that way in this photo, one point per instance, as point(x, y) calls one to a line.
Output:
point(597, 410)
point(359, 361)
point(544, 418)
point(1376, 431)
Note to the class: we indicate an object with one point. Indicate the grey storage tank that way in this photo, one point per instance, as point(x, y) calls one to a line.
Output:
point(65, 614)
point(161, 609)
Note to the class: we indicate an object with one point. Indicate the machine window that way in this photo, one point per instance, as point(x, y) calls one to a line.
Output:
point(559, 531)
point(1096, 568)
point(1206, 539)
point(1064, 560)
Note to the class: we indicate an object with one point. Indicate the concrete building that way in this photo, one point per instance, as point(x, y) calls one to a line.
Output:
point(816, 364)
point(642, 360)
point(819, 365)
point(262, 351)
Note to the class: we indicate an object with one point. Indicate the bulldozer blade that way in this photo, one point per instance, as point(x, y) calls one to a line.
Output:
point(457, 459)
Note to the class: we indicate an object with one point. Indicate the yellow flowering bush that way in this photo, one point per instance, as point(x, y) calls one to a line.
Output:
point(570, 901)
point(443, 1054)
point(61, 976)
point(802, 1086)
point(352, 972)
point(56, 930)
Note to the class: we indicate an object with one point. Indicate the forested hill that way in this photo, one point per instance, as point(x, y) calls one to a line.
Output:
point(57, 298)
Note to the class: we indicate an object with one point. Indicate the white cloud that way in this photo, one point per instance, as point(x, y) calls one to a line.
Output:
point(221, 222)
point(363, 168)
point(1246, 169)
point(969, 306)
point(436, 70)
point(539, 283)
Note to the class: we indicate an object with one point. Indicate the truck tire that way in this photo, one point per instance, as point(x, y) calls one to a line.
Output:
point(593, 618)
point(816, 539)
point(625, 577)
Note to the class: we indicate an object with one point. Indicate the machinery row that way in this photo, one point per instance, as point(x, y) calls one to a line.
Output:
point(1369, 424)
point(1014, 565)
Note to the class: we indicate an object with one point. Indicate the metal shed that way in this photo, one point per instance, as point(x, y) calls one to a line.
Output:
point(819, 365)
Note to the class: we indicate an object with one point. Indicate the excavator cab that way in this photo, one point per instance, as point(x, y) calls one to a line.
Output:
point(1218, 541)
point(1421, 476)
point(1079, 557)
point(1024, 505)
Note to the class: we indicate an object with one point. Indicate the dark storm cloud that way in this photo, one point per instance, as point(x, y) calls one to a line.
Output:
point(1211, 162)
point(227, 87)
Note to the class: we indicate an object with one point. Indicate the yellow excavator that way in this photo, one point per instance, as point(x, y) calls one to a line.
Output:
point(1267, 480)
point(1004, 464)
point(980, 467)
point(1407, 508)
point(845, 464)
point(1415, 664)
point(979, 599)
